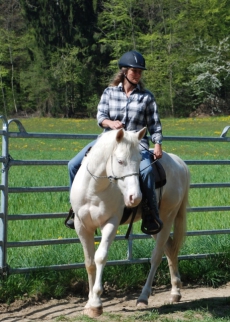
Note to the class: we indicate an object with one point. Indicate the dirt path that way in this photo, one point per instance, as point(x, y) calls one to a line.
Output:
point(115, 303)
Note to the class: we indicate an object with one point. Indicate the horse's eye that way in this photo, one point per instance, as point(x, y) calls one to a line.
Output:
point(120, 161)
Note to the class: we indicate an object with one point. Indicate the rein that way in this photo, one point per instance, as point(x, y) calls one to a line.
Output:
point(112, 177)
point(154, 160)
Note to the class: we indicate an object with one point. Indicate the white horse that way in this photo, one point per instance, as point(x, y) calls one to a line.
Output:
point(107, 181)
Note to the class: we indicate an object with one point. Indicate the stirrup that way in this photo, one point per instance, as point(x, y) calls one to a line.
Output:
point(69, 222)
point(153, 227)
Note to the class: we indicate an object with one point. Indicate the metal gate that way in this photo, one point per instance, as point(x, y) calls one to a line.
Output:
point(8, 162)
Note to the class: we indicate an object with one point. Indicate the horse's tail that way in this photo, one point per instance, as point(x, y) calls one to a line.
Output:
point(181, 218)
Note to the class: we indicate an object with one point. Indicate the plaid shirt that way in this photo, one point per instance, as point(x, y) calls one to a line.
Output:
point(135, 112)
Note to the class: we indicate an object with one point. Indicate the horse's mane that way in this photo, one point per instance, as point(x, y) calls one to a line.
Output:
point(106, 143)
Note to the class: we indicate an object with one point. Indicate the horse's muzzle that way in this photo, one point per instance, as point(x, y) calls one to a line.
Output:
point(133, 200)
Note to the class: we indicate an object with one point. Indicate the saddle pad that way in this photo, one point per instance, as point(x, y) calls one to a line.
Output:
point(159, 174)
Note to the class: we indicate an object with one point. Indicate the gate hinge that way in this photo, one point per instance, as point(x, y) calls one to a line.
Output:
point(7, 162)
point(4, 271)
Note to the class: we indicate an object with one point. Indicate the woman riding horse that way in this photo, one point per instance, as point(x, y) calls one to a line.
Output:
point(127, 104)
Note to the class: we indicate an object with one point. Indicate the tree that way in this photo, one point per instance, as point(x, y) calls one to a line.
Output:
point(211, 72)
point(65, 31)
point(119, 24)
point(11, 26)
point(57, 56)
point(60, 23)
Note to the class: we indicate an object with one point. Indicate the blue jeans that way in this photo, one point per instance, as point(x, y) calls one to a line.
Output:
point(147, 180)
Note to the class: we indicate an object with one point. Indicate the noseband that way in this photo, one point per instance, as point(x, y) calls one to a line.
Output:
point(112, 177)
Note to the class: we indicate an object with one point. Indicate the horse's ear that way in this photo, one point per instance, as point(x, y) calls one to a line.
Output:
point(120, 135)
point(141, 133)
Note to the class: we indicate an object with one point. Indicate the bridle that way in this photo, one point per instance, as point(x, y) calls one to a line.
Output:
point(113, 176)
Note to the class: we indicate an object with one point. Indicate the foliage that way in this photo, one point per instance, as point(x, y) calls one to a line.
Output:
point(57, 56)
point(210, 72)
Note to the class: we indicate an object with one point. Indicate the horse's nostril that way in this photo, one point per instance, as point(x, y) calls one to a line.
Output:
point(133, 200)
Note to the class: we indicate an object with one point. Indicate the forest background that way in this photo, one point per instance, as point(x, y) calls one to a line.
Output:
point(56, 57)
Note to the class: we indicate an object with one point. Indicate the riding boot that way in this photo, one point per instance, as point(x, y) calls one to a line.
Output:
point(151, 223)
point(69, 222)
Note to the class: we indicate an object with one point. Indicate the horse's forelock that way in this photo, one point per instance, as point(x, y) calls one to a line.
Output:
point(128, 143)
point(132, 139)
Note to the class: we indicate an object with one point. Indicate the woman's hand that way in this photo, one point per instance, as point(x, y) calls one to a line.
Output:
point(158, 151)
point(114, 125)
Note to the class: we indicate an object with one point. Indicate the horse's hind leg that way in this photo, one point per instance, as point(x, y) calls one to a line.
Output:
point(172, 249)
point(172, 256)
point(155, 262)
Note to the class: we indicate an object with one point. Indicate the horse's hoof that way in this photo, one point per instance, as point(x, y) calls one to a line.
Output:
point(142, 304)
point(93, 312)
point(175, 298)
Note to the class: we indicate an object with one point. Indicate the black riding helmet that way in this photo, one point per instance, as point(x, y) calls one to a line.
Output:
point(132, 59)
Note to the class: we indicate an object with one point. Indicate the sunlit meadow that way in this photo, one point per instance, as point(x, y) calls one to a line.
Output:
point(58, 202)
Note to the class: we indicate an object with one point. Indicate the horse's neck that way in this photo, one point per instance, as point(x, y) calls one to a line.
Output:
point(94, 173)
point(98, 158)
point(97, 165)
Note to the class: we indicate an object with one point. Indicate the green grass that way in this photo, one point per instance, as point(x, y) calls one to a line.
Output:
point(127, 275)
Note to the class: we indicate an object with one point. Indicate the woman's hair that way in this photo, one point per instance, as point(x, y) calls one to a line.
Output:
point(119, 78)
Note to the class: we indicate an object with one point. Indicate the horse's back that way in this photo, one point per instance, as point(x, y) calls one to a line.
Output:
point(177, 180)
point(174, 168)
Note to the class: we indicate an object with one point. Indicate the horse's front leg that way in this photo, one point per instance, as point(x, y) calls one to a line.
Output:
point(87, 240)
point(108, 234)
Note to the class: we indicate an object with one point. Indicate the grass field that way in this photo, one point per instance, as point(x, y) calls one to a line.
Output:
point(47, 149)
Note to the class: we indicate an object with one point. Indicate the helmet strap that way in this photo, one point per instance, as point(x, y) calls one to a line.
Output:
point(129, 80)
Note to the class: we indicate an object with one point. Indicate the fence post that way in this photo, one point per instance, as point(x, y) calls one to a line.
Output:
point(4, 198)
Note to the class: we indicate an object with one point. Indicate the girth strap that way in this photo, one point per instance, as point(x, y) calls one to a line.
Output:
point(134, 212)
